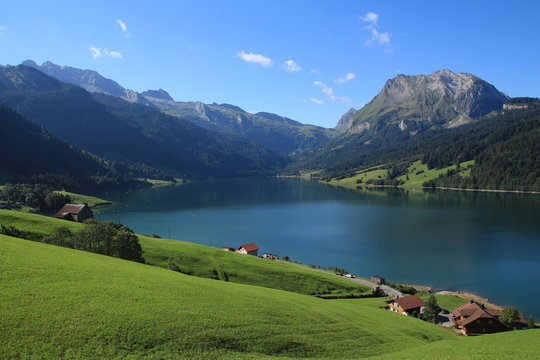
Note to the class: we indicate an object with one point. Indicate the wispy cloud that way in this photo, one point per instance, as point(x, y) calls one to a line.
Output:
point(315, 71)
point(330, 92)
point(99, 52)
point(2, 29)
point(345, 79)
point(124, 28)
point(291, 66)
point(255, 58)
point(370, 17)
point(379, 37)
point(316, 101)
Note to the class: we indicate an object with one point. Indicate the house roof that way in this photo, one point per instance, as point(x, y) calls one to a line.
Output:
point(472, 312)
point(409, 302)
point(69, 209)
point(470, 309)
point(249, 247)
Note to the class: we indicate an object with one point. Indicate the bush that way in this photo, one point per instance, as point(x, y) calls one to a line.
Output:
point(109, 238)
point(60, 236)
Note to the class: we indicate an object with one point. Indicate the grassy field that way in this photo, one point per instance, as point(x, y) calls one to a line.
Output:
point(524, 344)
point(63, 303)
point(417, 174)
point(364, 175)
point(448, 302)
point(59, 303)
point(209, 262)
point(81, 199)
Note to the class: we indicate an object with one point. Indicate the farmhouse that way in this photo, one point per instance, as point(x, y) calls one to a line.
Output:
point(472, 319)
point(75, 212)
point(270, 256)
point(406, 305)
point(249, 249)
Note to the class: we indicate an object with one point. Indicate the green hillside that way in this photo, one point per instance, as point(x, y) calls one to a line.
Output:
point(62, 303)
point(209, 262)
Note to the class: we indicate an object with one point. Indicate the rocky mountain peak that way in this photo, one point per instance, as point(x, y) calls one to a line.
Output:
point(443, 99)
point(158, 94)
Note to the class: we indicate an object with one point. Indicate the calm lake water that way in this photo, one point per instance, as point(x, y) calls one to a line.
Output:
point(485, 243)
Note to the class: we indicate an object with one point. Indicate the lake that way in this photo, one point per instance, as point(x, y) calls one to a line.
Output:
point(485, 243)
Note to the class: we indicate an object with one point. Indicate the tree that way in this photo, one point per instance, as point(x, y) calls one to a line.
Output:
point(431, 309)
point(509, 316)
point(55, 201)
point(530, 322)
point(286, 258)
point(108, 238)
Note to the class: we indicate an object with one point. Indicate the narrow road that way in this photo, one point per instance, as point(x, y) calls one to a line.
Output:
point(388, 291)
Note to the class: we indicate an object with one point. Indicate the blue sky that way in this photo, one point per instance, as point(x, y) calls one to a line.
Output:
point(307, 60)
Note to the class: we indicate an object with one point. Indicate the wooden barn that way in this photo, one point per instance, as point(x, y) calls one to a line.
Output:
point(472, 319)
point(249, 249)
point(406, 305)
point(75, 212)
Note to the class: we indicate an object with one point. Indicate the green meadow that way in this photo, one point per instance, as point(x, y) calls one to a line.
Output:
point(92, 201)
point(209, 262)
point(60, 303)
point(417, 174)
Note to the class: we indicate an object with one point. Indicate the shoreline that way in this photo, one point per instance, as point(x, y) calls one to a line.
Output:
point(356, 187)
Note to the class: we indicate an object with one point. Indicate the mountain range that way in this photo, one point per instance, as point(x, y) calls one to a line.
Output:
point(273, 131)
point(150, 134)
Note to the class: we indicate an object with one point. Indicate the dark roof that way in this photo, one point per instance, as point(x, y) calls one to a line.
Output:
point(249, 247)
point(409, 302)
point(469, 309)
point(72, 208)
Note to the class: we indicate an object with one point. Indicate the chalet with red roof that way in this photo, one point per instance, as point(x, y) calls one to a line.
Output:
point(406, 305)
point(75, 212)
point(249, 249)
point(472, 319)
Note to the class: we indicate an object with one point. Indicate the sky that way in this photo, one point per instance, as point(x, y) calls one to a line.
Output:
point(307, 60)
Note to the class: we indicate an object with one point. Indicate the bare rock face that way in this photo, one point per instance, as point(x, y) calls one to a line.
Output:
point(89, 80)
point(442, 99)
point(158, 94)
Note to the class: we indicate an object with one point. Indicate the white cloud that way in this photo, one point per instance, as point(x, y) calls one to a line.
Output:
point(315, 71)
point(98, 53)
point(316, 101)
point(378, 37)
point(291, 66)
point(255, 58)
point(2, 29)
point(330, 92)
point(370, 17)
point(345, 79)
point(124, 28)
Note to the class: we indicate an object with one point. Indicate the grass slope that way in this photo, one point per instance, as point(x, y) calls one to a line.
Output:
point(81, 199)
point(205, 261)
point(62, 303)
point(448, 302)
point(417, 174)
point(524, 344)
